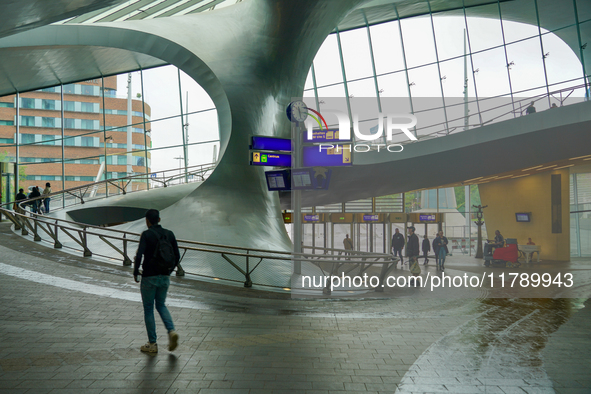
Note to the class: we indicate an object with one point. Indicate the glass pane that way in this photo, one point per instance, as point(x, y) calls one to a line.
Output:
point(484, 33)
point(168, 133)
point(527, 72)
point(393, 85)
point(491, 73)
point(425, 82)
point(387, 50)
point(168, 163)
point(449, 35)
point(514, 30)
point(554, 15)
point(309, 81)
point(356, 54)
point(203, 127)
point(327, 62)
point(583, 10)
point(452, 72)
point(417, 34)
point(161, 90)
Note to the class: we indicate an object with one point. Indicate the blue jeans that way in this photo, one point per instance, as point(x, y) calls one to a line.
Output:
point(442, 255)
point(154, 289)
point(46, 204)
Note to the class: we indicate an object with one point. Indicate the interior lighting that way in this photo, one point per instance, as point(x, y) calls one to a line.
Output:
point(580, 157)
point(543, 168)
point(532, 168)
point(519, 176)
point(473, 179)
point(558, 168)
point(505, 176)
point(216, 278)
point(587, 159)
point(286, 289)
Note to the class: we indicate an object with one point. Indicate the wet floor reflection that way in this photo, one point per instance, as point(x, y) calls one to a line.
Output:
point(499, 349)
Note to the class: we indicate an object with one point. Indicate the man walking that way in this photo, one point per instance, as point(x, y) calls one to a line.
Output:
point(398, 245)
point(412, 248)
point(161, 256)
point(426, 249)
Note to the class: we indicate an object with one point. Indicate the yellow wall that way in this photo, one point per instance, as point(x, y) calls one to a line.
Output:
point(528, 194)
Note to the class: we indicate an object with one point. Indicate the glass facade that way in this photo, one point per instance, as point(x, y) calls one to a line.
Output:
point(456, 71)
point(75, 136)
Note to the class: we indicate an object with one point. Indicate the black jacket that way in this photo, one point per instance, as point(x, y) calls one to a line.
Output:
point(440, 243)
point(412, 246)
point(426, 245)
point(398, 241)
point(147, 247)
point(21, 196)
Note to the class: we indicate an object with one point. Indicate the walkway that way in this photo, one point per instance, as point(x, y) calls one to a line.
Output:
point(70, 325)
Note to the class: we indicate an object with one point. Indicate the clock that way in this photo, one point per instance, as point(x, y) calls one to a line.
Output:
point(297, 111)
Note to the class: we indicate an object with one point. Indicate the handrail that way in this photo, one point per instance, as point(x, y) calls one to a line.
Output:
point(238, 258)
point(516, 105)
point(119, 240)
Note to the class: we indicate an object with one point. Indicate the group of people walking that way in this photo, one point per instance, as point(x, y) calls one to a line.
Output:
point(439, 247)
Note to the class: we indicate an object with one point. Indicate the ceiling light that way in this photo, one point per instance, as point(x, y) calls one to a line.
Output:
point(532, 168)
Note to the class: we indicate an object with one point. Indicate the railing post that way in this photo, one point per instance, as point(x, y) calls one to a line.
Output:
point(36, 237)
point(17, 220)
point(87, 252)
point(57, 244)
point(248, 282)
point(24, 225)
point(126, 260)
point(179, 270)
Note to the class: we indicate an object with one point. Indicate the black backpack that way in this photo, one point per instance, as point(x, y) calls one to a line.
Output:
point(164, 257)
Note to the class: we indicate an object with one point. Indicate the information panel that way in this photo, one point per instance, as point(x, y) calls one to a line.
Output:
point(301, 178)
point(322, 136)
point(339, 156)
point(278, 180)
point(270, 159)
point(270, 143)
point(427, 218)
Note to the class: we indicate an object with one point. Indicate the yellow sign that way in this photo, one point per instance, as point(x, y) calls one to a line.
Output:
point(256, 157)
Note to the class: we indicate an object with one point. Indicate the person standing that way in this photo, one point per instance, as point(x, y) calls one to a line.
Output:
point(35, 204)
point(412, 248)
point(19, 197)
point(426, 249)
point(160, 252)
point(531, 109)
point(46, 200)
point(398, 245)
point(436, 249)
point(348, 244)
point(442, 250)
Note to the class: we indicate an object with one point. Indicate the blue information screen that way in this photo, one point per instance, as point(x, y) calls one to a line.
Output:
point(427, 218)
point(270, 143)
point(371, 218)
point(312, 218)
point(319, 156)
point(270, 159)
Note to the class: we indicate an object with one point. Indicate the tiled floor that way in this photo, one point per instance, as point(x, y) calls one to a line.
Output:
point(74, 325)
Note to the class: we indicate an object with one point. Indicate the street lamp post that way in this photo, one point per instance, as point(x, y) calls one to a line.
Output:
point(479, 223)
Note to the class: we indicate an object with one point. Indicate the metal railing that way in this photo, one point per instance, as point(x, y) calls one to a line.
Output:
point(514, 108)
point(207, 260)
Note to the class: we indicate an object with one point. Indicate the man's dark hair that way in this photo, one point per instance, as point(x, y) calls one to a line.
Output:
point(21, 190)
point(153, 215)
